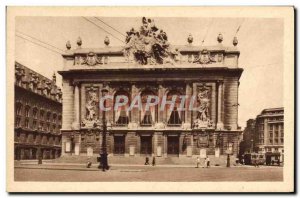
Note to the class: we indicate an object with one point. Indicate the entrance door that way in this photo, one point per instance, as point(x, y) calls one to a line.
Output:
point(173, 145)
point(146, 145)
point(119, 145)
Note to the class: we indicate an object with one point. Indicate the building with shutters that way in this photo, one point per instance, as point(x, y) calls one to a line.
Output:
point(149, 65)
point(38, 115)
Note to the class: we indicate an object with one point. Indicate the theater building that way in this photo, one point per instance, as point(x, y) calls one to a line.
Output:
point(149, 65)
point(38, 115)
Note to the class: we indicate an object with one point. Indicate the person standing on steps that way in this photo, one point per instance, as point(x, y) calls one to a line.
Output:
point(197, 162)
point(153, 161)
point(147, 161)
point(207, 162)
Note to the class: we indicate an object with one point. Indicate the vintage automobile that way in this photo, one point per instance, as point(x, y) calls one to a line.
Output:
point(252, 158)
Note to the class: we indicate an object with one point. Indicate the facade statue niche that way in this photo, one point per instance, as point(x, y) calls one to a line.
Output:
point(203, 118)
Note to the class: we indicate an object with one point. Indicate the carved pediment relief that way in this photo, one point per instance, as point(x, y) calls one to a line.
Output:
point(91, 59)
point(204, 57)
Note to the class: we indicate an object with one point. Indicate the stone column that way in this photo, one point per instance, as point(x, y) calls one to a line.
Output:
point(134, 113)
point(165, 154)
point(160, 114)
point(192, 143)
point(76, 123)
point(188, 113)
point(220, 98)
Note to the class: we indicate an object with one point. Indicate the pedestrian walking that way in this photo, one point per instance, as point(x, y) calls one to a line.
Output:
point(256, 163)
point(198, 162)
point(153, 161)
point(89, 163)
point(242, 161)
point(207, 162)
point(147, 161)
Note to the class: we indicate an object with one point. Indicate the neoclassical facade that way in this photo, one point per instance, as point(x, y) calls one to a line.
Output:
point(149, 65)
point(38, 115)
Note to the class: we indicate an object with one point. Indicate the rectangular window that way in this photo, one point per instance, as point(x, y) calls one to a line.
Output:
point(34, 125)
point(34, 113)
point(59, 119)
point(18, 122)
point(281, 139)
point(27, 109)
point(42, 113)
point(271, 135)
point(54, 118)
point(26, 123)
point(271, 127)
point(48, 116)
point(19, 109)
point(41, 125)
point(68, 147)
point(271, 141)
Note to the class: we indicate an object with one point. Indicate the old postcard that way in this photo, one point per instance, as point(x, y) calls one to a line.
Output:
point(150, 99)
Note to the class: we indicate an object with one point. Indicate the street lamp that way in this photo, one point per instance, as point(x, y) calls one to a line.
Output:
point(252, 146)
point(103, 162)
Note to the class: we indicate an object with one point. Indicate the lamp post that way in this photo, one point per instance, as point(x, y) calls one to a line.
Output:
point(103, 151)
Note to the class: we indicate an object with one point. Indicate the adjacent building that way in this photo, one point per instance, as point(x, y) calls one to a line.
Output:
point(269, 133)
point(247, 144)
point(149, 65)
point(38, 115)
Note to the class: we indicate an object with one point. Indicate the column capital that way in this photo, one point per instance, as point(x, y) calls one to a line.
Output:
point(76, 83)
point(220, 82)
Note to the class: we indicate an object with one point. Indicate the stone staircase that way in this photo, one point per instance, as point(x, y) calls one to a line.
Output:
point(139, 160)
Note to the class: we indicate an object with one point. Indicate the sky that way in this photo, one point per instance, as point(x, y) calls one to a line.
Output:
point(260, 45)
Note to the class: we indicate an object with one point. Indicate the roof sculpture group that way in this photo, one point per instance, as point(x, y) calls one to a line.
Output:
point(149, 45)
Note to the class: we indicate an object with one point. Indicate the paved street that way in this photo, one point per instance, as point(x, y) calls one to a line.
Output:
point(148, 173)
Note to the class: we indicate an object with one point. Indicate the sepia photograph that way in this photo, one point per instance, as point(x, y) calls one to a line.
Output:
point(150, 99)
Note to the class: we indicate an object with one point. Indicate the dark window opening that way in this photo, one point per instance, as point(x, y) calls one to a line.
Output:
point(147, 119)
point(174, 118)
point(123, 118)
point(119, 145)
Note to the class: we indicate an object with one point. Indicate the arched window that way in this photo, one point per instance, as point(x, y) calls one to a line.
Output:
point(174, 117)
point(121, 115)
point(42, 114)
point(54, 118)
point(27, 110)
point(19, 107)
point(35, 112)
point(147, 115)
point(48, 116)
